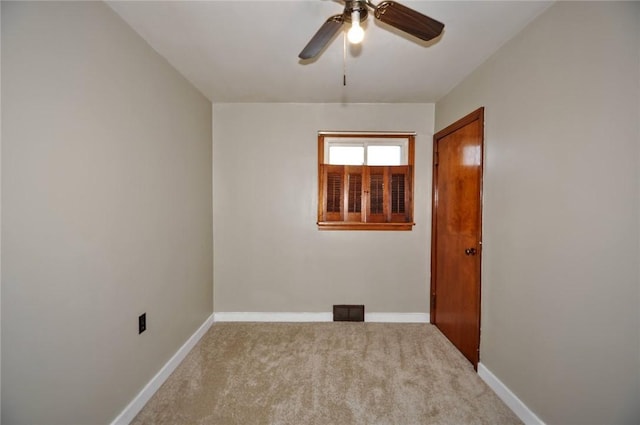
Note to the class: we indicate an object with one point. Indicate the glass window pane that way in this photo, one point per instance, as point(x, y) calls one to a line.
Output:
point(384, 155)
point(346, 155)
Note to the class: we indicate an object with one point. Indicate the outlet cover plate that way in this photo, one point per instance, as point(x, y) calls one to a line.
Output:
point(142, 323)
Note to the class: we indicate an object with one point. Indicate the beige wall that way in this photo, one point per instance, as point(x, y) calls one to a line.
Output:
point(0, 222)
point(560, 306)
point(106, 208)
point(269, 255)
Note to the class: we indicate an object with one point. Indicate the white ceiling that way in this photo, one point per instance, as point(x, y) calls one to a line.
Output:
point(247, 51)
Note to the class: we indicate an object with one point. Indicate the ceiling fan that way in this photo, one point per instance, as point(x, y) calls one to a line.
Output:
point(356, 11)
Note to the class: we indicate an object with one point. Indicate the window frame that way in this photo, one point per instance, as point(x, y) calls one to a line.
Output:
point(344, 220)
point(401, 141)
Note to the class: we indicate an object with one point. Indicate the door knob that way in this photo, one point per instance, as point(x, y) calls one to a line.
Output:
point(470, 251)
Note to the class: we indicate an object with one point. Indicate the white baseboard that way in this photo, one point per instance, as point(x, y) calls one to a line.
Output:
point(271, 317)
point(397, 317)
point(510, 399)
point(130, 412)
point(316, 317)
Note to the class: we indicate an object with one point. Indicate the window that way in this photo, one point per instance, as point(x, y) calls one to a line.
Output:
point(365, 181)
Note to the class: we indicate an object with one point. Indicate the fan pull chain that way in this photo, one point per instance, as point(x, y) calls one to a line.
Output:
point(344, 59)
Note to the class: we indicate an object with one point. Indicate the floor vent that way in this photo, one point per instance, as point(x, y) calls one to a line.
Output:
point(348, 313)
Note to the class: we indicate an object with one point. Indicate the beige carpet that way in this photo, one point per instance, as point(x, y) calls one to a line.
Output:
point(322, 374)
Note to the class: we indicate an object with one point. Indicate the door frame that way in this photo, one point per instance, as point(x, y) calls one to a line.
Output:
point(478, 115)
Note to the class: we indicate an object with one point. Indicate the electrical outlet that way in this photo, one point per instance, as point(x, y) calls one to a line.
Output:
point(142, 323)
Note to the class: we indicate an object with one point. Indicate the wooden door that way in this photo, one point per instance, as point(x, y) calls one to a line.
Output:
point(456, 244)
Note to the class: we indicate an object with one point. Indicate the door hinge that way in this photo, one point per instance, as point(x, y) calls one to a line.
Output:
point(436, 158)
point(433, 301)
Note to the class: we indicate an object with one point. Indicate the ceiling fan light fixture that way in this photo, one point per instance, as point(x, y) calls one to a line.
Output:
point(390, 12)
point(355, 35)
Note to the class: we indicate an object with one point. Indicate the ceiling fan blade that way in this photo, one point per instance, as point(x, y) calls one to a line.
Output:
point(324, 35)
point(408, 20)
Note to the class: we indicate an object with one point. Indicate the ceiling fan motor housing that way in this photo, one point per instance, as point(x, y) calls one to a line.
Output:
point(355, 5)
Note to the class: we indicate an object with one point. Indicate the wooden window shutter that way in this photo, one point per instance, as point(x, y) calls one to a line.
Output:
point(397, 193)
point(400, 194)
point(377, 210)
point(334, 192)
point(353, 188)
point(342, 193)
point(332, 182)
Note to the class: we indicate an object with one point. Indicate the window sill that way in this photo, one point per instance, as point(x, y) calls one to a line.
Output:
point(345, 225)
